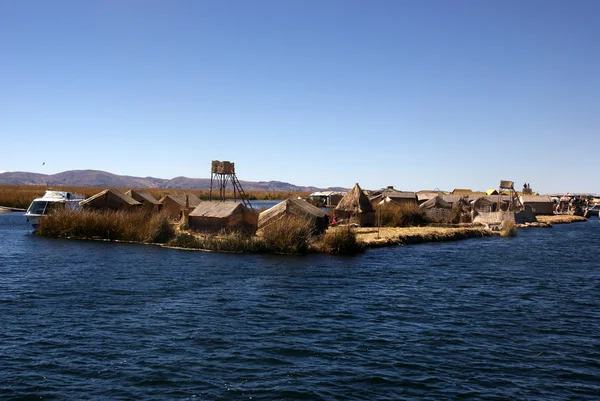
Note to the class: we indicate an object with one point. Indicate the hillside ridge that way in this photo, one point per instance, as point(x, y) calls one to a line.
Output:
point(99, 178)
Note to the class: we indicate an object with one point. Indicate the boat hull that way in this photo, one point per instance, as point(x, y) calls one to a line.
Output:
point(34, 220)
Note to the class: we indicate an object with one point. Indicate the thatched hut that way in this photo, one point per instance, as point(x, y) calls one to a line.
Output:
point(355, 205)
point(390, 195)
point(149, 202)
point(539, 204)
point(297, 208)
point(219, 216)
point(110, 199)
point(437, 209)
point(175, 205)
point(484, 205)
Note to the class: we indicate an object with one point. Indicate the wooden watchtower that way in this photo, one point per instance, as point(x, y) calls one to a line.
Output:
point(514, 199)
point(221, 174)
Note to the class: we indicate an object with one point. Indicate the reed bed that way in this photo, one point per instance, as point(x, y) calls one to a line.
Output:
point(236, 242)
point(560, 219)
point(509, 229)
point(289, 234)
point(400, 215)
point(117, 226)
point(21, 196)
point(386, 236)
point(339, 241)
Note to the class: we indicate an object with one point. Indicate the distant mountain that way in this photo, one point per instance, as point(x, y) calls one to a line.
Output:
point(97, 178)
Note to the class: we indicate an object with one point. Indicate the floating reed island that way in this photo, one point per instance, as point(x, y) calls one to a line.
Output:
point(342, 224)
point(293, 226)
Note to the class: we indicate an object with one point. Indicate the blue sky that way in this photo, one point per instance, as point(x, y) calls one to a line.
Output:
point(415, 94)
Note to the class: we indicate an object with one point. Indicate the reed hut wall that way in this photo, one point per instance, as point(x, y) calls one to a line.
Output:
point(484, 205)
point(219, 216)
point(174, 205)
point(540, 205)
point(110, 199)
point(438, 215)
point(296, 208)
point(437, 210)
point(494, 217)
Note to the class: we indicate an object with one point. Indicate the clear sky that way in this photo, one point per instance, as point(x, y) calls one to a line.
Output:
point(415, 94)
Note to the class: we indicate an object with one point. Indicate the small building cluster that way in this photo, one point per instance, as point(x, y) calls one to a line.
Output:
point(356, 206)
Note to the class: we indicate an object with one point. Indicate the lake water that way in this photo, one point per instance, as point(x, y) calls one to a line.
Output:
point(496, 318)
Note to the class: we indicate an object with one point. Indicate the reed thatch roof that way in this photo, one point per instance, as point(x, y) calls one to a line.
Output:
point(292, 207)
point(142, 196)
point(180, 199)
point(356, 202)
point(473, 197)
point(109, 195)
point(484, 200)
point(462, 191)
point(423, 196)
point(217, 210)
point(535, 199)
point(401, 195)
point(436, 203)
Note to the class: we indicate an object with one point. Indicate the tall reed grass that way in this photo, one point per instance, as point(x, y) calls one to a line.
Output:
point(339, 241)
point(289, 234)
point(400, 215)
point(123, 226)
point(21, 196)
point(509, 229)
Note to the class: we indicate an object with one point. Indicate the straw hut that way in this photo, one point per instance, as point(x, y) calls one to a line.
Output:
point(299, 208)
point(409, 198)
point(390, 195)
point(110, 199)
point(356, 205)
point(539, 204)
point(437, 209)
point(220, 216)
point(175, 205)
point(149, 202)
point(484, 205)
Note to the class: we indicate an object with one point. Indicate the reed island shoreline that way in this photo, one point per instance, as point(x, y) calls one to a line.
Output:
point(293, 226)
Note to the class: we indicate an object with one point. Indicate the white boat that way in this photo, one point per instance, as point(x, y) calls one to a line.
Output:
point(52, 200)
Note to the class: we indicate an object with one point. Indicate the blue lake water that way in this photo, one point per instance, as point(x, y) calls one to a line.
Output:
point(496, 318)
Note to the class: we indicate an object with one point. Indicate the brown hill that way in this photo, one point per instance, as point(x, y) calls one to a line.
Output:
point(97, 178)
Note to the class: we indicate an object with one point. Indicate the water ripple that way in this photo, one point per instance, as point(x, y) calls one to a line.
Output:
point(491, 318)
